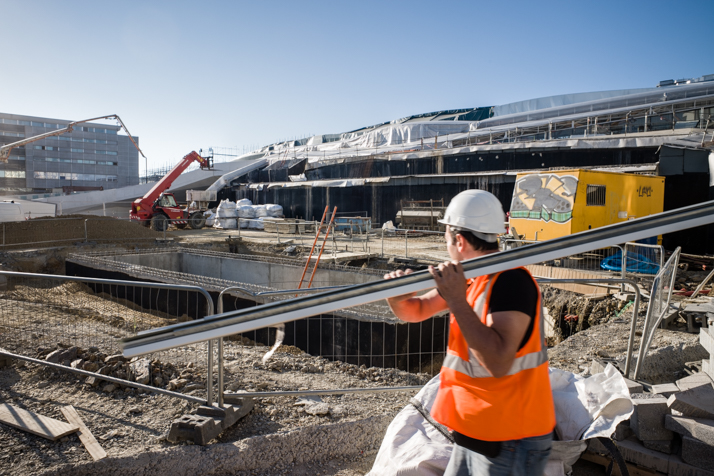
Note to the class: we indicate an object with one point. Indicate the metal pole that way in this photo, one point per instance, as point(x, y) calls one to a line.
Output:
point(336, 391)
point(220, 372)
point(209, 384)
point(85, 230)
point(406, 244)
point(382, 253)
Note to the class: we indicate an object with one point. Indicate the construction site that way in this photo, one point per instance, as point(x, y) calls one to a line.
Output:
point(231, 318)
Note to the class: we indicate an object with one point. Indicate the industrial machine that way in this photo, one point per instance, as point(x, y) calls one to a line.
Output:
point(421, 214)
point(6, 149)
point(157, 207)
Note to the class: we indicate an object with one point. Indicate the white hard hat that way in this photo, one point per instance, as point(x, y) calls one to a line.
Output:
point(477, 211)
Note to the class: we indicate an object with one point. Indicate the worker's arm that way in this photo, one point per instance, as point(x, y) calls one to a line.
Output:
point(412, 308)
point(494, 343)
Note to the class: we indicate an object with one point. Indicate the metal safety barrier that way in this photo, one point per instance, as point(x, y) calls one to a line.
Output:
point(39, 310)
point(275, 313)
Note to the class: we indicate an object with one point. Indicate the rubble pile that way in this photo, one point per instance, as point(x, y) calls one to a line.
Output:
point(144, 371)
point(672, 428)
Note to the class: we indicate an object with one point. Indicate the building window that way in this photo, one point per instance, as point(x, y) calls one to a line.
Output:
point(595, 195)
point(77, 150)
point(12, 173)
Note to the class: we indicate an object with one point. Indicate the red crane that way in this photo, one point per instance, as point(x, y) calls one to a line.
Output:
point(156, 208)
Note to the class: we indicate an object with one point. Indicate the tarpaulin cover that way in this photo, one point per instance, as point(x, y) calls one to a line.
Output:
point(585, 408)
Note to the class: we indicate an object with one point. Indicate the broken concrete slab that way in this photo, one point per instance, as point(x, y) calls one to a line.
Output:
point(622, 431)
point(693, 381)
point(664, 389)
point(706, 340)
point(700, 428)
point(635, 452)
point(663, 446)
point(677, 467)
point(697, 402)
point(647, 420)
point(634, 387)
point(697, 453)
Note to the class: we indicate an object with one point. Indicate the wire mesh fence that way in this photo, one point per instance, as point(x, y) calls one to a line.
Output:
point(659, 303)
point(78, 322)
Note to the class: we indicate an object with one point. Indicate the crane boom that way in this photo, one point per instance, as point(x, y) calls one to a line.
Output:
point(6, 149)
point(168, 179)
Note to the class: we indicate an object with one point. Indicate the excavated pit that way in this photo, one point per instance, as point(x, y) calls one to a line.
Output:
point(367, 335)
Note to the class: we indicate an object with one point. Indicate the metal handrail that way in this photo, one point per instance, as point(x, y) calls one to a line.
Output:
point(275, 313)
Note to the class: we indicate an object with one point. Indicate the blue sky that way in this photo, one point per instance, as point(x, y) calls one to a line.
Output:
point(189, 75)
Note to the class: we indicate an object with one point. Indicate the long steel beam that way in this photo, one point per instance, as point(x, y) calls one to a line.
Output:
point(272, 314)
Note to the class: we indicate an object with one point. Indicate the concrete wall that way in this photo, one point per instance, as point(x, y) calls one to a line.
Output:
point(276, 275)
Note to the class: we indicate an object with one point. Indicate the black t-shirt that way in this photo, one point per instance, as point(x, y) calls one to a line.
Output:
point(514, 290)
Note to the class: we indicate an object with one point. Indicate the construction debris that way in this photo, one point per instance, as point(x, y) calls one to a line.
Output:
point(35, 423)
point(85, 436)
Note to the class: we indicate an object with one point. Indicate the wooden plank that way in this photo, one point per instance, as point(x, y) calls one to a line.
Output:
point(30, 422)
point(85, 436)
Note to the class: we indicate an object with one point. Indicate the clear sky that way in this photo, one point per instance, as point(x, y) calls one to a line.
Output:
point(189, 75)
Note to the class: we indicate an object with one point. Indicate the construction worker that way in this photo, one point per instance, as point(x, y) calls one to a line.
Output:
point(495, 391)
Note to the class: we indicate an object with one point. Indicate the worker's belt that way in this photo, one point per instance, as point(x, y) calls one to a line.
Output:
point(490, 449)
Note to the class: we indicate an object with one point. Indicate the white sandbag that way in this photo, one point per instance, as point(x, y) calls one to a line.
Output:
point(260, 210)
point(252, 224)
point(584, 408)
point(226, 223)
point(243, 202)
point(210, 218)
point(226, 209)
point(246, 211)
point(274, 210)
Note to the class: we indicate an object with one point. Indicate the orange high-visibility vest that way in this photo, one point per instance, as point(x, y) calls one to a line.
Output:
point(472, 402)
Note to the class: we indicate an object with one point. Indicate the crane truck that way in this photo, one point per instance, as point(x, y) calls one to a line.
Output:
point(157, 207)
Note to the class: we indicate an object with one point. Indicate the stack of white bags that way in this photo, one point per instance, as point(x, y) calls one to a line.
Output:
point(229, 214)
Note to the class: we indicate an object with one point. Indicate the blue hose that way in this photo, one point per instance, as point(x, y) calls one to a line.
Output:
point(635, 263)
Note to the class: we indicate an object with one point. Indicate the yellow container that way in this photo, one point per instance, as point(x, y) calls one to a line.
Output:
point(552, 204)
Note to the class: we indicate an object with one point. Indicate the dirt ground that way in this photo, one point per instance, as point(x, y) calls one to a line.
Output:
point(47, 232)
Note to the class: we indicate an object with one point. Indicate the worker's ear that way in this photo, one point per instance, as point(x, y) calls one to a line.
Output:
point(461, 242)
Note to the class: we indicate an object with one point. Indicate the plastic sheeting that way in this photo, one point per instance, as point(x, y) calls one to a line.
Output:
point(585, 408)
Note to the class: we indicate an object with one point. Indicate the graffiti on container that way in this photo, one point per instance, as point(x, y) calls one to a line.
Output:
point(544, 197)
point(643, 191)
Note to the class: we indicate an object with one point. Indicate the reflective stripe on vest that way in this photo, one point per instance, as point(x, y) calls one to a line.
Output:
point(473, 367)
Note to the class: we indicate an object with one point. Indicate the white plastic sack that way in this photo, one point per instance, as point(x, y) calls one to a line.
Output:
point(253, 224)
point(388, 227)
point(210, 218)
point(246, 211)
point(226, 223)
point(584, 408)
point(226, 209)
point(260, 210)
point(589, 407)
point(274, 210)
point(243, 202)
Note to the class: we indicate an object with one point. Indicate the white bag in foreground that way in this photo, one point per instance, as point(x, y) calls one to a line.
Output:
point(584, 408)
